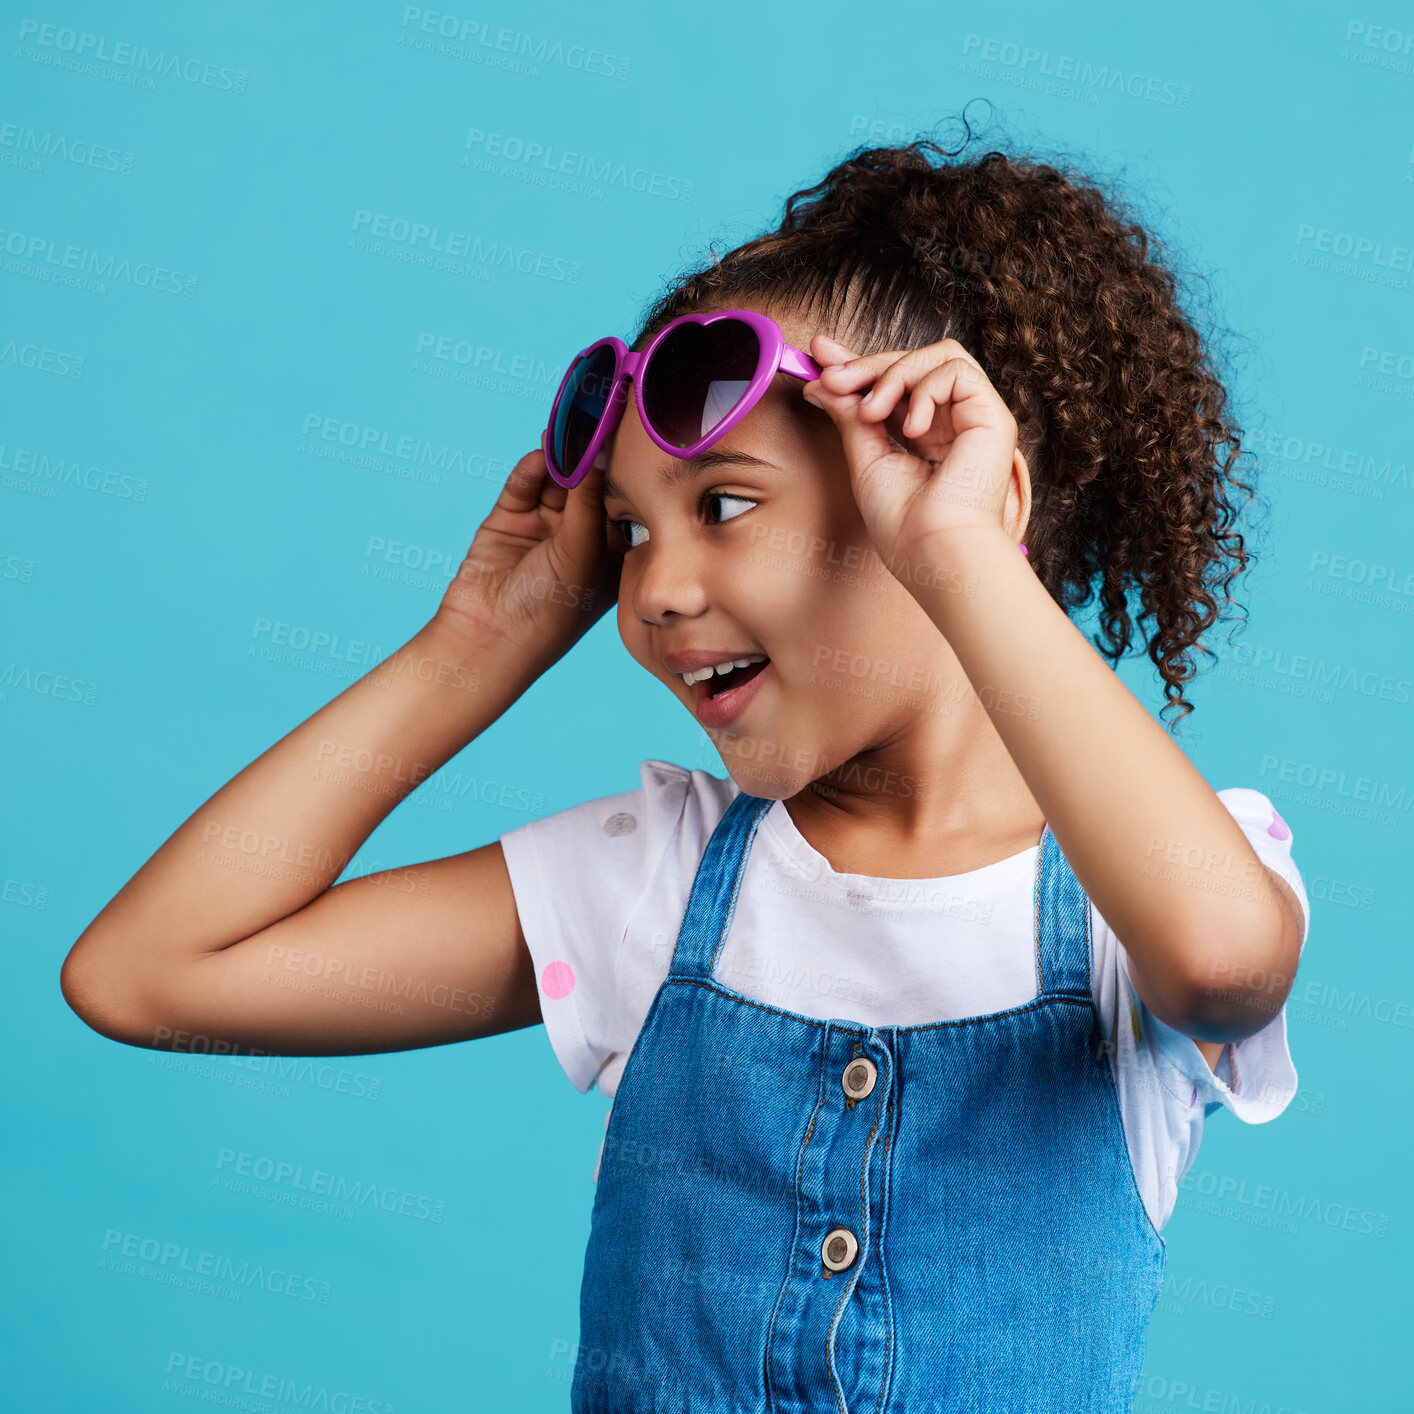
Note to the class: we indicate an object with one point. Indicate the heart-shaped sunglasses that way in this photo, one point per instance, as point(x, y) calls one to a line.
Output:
point(696, 380)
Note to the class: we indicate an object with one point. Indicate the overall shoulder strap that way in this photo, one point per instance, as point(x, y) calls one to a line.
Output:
point(1062, 919)
point(712, 902)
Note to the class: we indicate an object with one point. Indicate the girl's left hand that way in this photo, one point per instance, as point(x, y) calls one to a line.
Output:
point(964, 434)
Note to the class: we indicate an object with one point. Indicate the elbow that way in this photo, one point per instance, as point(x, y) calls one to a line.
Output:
point(1240, 987)
point(100, 1006)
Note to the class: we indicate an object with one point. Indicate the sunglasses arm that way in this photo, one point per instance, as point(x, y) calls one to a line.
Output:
point(800, 365)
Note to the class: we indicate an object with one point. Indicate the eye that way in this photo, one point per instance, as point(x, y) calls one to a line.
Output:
point(727, 496)
point(617, 532)
point(622, 530)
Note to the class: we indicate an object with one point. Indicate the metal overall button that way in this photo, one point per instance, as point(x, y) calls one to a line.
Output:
point(859, 1077)
point(838, 1249)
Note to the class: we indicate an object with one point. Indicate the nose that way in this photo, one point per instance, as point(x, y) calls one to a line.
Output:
point(669, 582)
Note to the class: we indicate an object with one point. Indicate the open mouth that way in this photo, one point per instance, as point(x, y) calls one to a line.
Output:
point(719, 683)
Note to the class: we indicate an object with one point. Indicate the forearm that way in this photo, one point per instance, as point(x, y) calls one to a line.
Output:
point(1162, 859)
point(282, 831)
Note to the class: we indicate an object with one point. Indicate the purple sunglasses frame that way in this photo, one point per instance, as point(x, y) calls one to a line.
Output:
point(777, 356)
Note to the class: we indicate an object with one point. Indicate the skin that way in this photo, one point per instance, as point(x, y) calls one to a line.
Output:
point(912, 788)
point(847, 549)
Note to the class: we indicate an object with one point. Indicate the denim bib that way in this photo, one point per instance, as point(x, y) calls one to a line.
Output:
point(801, 1216)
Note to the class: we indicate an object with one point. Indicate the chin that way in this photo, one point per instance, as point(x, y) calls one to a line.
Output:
point(762, 779)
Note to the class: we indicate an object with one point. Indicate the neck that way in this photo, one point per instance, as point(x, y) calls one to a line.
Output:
point(892, 811)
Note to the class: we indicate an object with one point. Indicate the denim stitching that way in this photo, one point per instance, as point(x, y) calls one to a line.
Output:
point(850, 1288)
point(878, 1245)
point(795, 1242)
point(1117, 1120)
point(1054, 999)
point(1036, 920)
point(729, 913)
point(886, 1170)
point(1089, 944)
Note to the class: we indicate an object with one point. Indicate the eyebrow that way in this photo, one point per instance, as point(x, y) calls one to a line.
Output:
point(680, 469)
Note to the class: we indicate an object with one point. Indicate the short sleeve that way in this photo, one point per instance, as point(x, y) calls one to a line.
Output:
point(1256, 1078)
point(578, 875)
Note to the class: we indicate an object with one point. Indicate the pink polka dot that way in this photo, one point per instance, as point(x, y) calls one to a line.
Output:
point(557, 981)
point(1278, 829)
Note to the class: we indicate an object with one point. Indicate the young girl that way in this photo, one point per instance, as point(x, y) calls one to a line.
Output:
point(897, 1115)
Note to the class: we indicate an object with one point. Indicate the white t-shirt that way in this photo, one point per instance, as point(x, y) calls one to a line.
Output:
point(601, 889)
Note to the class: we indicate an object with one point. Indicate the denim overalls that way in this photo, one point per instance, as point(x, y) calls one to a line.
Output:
point(800, 1215)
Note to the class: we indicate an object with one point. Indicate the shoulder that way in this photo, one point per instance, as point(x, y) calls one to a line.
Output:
point(670, 802)
point(704, 797)
point(580, 876)
point(684, 790)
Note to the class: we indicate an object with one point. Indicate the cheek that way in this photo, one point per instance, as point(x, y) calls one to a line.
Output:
point(635, 635)
point(631, 632)
point(831, 587)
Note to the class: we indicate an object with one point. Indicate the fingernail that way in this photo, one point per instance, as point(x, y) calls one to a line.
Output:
point(867, 396)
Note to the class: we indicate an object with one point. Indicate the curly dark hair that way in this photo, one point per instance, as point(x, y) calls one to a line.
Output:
point(1050, 284)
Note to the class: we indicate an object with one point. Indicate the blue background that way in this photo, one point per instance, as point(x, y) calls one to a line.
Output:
point(171, 491)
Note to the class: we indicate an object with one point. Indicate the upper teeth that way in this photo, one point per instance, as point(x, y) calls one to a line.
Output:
point(701, 673)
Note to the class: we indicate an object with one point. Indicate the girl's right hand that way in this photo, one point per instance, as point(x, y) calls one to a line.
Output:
point(540, 572)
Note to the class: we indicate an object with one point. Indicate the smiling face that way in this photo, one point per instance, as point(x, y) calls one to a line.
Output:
point(759, 549)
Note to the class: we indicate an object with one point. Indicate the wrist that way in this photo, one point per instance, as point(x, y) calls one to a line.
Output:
point(960, 569)
point(968, 538)
point(454, 651)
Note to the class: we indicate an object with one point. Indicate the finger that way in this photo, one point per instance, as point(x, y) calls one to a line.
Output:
point(903, 365)
point(552, 494)
point(851, 372)
point(584, 513)
point(827, 350)
point(864, 442)
point(880, 400)
point(963, 387)
point(941, 388)
point(860, 368)
point(848, 371)
point(880, 379)
point(524, 488)
point(900, 377)
point(921, 411)
point(957, 377)
point(931, 393)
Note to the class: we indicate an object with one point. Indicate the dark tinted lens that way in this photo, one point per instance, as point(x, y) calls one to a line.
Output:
point(581, 407)
point(696, 376)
